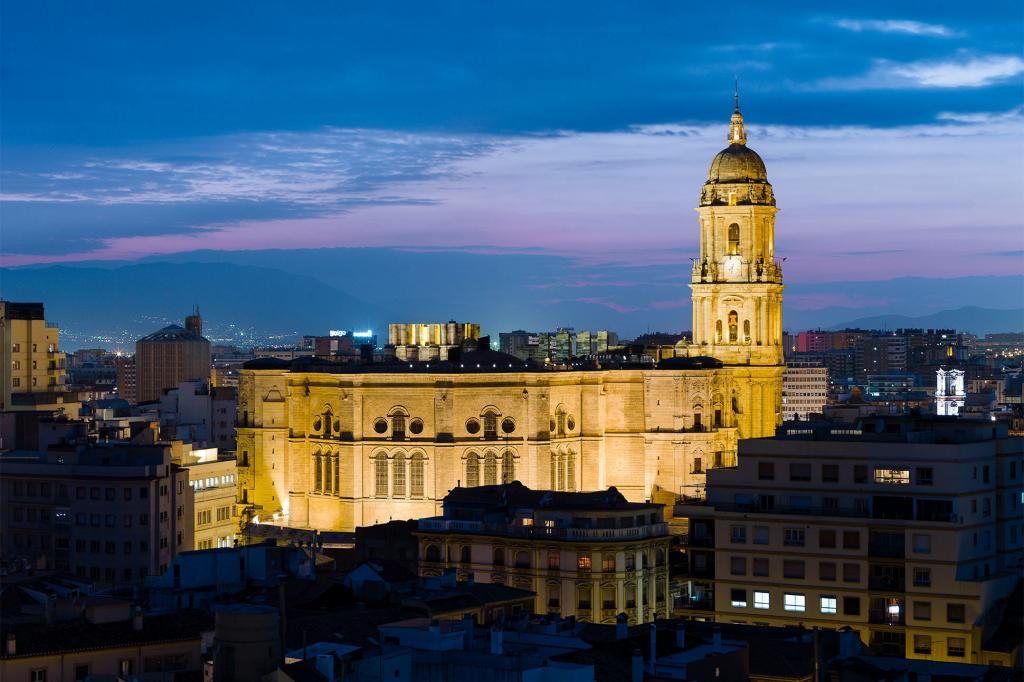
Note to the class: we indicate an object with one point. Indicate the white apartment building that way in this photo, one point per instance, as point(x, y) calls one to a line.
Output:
point(213, 478)
point(907, 529)
point(804, 389)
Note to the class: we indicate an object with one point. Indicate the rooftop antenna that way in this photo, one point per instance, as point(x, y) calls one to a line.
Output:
point(736, 93)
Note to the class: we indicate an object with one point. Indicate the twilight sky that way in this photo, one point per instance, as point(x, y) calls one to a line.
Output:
point(893, 133)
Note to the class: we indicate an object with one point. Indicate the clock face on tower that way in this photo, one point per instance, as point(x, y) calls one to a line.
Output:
point(732, 266)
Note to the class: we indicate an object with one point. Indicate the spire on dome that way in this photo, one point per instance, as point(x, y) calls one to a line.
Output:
point(736, 132)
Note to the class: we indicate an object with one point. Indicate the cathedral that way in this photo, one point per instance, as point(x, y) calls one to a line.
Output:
point(336, 446)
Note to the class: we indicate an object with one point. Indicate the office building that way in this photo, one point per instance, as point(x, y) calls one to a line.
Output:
point(804, 389)
point(906, 529)
point(112, 514)
point(589, 555)
point(170, 356)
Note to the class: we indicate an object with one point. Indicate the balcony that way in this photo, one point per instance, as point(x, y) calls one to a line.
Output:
point(690, 540)
point(887, 583)
point(775, 508)
point(885, 617)
point(702, 603)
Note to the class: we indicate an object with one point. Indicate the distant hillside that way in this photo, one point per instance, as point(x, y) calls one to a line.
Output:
point(137, 299)
point(969, 318)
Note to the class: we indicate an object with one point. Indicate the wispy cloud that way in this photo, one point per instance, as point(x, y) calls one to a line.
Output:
point(963, 71)
point(905, 26)
point(982, 117)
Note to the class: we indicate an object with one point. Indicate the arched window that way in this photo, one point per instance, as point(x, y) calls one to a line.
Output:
point(464, 555)
point(570, 472)
point(499, 556)
point(734, 320)
point(472, 470)
point(328, 479)
point(508, 467)
point(734, 239)
point(659, 557)
point(630, 596)
point(380, 475)
point(557, 482)
point(318, 474)
point(398, 475)
point(416, 476)
point(718, 331)
point(433, 553)
point(490, 426)
point(746, 331)
point(522, 559)
point(490, 469)
point(337, 474)
point(398, 427)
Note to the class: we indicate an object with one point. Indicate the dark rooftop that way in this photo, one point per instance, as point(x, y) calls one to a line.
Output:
point(517, 495)
point(173, 332)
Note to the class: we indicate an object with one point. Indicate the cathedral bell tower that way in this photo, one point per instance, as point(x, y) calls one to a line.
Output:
point(737, 281)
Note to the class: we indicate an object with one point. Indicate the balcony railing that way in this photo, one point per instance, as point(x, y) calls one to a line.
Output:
point(443, 525)
point(884, 617)
point(887, 583)
point(776, 508)
point(700, 604)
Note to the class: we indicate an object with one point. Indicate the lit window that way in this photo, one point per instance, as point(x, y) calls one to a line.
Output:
point(893, 476)
point(761, 600)
point(583, 562)
point(828, 604)
point(739, 598)
point(794, 602)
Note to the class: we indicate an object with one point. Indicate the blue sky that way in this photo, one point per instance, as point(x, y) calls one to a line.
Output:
point(892, 131)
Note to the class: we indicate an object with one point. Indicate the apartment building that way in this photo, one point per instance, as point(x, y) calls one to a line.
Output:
point(213, 478)
point(33, 372)
point(111, 514)
point(589, 555)
point(804, 389)
point(907, 529)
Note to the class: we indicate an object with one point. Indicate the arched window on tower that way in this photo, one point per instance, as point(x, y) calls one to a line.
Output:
point(718, 331)
point(490, 469)
point(734, 320)
point(734, 239)
point(337, 473)
point(570, 472)
point(380, 475)
point(508, 467)
point(317, 474)
point(328, 479)
point(398, 475)
point(416, 475)
point(490, 426)
point(746, 331)
point(472, 470)
point(556, 472)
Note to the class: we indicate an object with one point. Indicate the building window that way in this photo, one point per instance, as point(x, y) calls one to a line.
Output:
point(922, 610)
point(922, 543)
point(398, 475)
point(760, 566)
point(827, 570)
point(499, 556)
point(554, 596)
point(472, 470)
point(738, 598)
point(490, 469)
point(380, 467)
point(892, 476)
point(491, 426)
point(416, 475)
point(922, 577)
point(522, 559)
point(794, 602)
point(698, 466)
point(760, 535)
point(508, 467)
point(433, 553)
point(922, 644)
point(860, 473)
point(851, 606)
point(583, 598)
point(851, 573)
point(955, 613)
point(734, 239)
point(956, 647)
point(608, 563)
point(554, 561)
point(398, 427)
point(766, 471)
point(738, 534)
point(925, 475)
point(851, 539)
point(583, 562)
point(761, 600)
point(81, 672)
point(830, 473)
point(464, 554)
point(793, 568)
point(829, 604)
point(800, 472)
point(570, 472)
point(826, 539)
point(794, 537)
point(37, 675)
point(738, 565)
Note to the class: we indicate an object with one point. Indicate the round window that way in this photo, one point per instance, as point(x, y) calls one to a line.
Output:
point(473, 426)
point(570, 423)
point(380, 426)
point(416, 426)
point(507, 425)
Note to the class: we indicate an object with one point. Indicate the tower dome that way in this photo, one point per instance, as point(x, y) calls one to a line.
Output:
point(737, 175)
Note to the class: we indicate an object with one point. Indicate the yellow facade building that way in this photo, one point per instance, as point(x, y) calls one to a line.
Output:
point(330, 446)
point(33, 376)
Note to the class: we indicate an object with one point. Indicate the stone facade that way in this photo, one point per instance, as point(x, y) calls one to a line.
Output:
point(335, 448)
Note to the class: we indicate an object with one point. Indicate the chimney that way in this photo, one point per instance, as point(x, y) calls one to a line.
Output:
point(496, 636)
point(654, 647)
point(137, 619)
point(12, 644)
point(716, 637)
point(621, 626)
point(680, 635)
point(637, 667)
